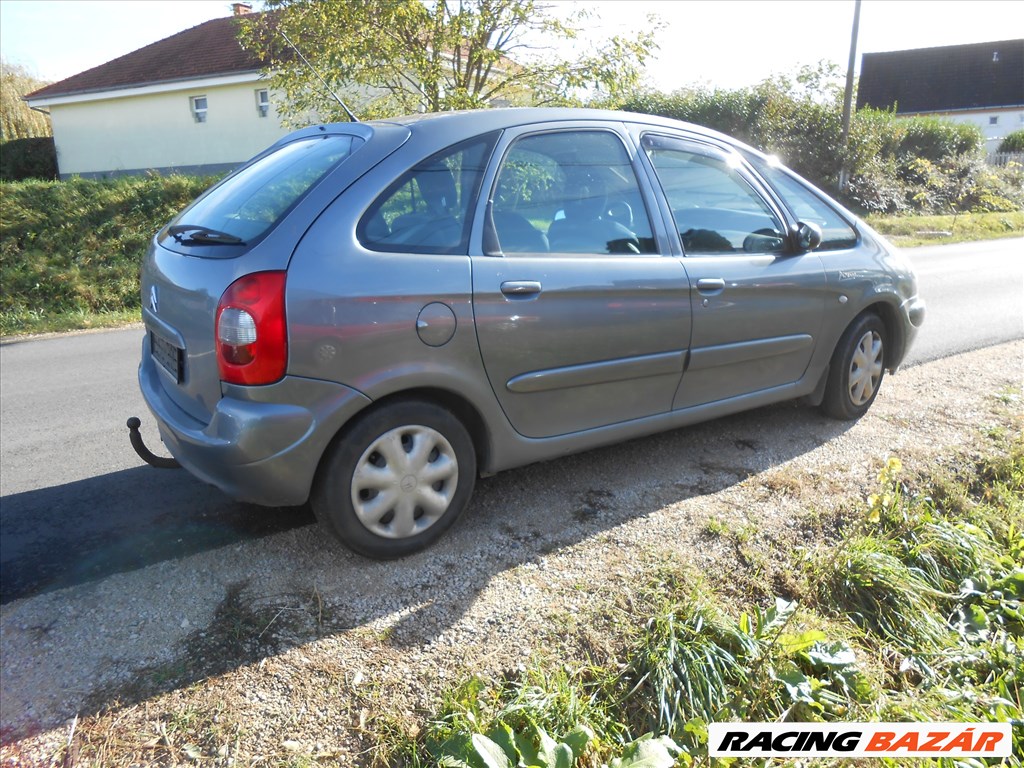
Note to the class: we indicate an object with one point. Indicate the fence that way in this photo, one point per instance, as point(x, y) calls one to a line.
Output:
point(1003, 159)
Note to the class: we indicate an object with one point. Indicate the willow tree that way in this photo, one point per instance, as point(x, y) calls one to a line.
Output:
point(17, 120)
point(390, 57)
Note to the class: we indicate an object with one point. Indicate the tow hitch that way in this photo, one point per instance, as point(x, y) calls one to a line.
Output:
point(144, 453)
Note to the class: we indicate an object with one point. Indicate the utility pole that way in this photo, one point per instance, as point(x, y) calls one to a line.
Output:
point(844, 172)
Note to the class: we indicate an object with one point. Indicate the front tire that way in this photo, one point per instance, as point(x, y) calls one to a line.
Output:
point(396, 480)
point(856, 371)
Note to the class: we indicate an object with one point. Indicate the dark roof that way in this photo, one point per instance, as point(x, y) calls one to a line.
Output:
point(207, 50)
point(975, 76)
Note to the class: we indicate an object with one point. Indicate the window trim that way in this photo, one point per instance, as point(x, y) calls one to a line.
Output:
point(262, 104)
point(199, 115)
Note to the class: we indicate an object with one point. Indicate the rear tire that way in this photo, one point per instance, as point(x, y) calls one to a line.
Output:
point(396, 480)
point(856, 371)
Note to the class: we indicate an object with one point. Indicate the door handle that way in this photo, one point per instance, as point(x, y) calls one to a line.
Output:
point(710, 286)
point(520, 289)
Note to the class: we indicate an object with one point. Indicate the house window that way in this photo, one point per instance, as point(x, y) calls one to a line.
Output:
point(262, 102)
point(199, 108)
point(994, 120)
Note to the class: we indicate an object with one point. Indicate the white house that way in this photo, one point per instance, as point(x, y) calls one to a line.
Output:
point(191, 103)
point(979, 83)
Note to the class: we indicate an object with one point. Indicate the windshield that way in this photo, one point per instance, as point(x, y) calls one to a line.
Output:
point(246, 205)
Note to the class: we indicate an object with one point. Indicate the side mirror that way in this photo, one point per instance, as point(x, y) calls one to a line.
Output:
point(806, 237)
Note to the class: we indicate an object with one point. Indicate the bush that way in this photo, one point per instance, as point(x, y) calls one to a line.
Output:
point(28, 159)
point(895, 164)
point(1013, 142)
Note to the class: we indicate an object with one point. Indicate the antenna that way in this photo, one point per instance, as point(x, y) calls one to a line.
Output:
point(312, 69)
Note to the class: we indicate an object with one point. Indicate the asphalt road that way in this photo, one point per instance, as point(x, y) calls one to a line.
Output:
point(77, 504)
point(974, 294)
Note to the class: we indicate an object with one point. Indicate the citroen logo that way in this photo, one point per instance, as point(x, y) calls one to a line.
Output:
point(154, 301)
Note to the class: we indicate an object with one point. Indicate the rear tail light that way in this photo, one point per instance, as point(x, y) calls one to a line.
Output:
point(252, 336)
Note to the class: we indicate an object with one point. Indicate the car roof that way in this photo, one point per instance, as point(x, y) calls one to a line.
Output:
point(457, 125)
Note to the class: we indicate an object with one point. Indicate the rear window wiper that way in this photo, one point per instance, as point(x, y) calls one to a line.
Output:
point(199, 234)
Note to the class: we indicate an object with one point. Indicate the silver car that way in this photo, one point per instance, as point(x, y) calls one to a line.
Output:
point(367, 316)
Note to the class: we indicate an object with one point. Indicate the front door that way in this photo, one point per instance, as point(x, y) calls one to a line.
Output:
point(758, 307)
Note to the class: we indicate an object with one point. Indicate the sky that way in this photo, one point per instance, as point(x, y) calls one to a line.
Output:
point(729, 43)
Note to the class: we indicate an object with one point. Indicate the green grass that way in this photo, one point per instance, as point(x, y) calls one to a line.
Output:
point(910, 231)
point(70, 251)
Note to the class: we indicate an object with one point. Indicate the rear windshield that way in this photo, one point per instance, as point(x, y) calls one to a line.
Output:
point(249, 203)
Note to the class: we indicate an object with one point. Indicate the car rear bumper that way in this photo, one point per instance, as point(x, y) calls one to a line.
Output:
point(262, 444)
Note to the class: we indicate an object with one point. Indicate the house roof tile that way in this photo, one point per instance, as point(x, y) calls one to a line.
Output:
point(975, 76)
point(208, 50)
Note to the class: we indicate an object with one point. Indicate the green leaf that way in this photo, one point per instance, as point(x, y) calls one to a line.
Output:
point(798, 685)
point(489, 754)
point(795, 643)
point(648, 752)
point(577, 739)
point(831, 655)
point(502, 735)
point(1012, 585)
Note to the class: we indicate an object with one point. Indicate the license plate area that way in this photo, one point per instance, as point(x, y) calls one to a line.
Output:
point(170, 357)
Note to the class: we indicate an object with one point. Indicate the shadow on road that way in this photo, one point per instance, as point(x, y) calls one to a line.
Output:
point(68, 534)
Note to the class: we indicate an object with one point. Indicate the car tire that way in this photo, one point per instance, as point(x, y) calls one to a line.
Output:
point(396, 480)
point(857, 368)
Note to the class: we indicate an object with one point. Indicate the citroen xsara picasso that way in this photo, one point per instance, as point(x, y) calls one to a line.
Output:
point(369, 315)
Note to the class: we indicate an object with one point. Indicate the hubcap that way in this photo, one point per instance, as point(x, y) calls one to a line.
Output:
point(865, 368)
point(404, 482)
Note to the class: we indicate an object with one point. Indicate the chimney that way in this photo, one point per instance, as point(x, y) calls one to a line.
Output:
point(241, 9)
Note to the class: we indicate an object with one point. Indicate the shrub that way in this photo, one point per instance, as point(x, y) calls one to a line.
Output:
point(895, 164)
point(28, 159)
point(1013, 142)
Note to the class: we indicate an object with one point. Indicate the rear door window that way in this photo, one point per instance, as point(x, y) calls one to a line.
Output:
point(570, 192)
point(246, 205)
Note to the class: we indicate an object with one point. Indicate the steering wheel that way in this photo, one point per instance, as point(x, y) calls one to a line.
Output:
point(619, 211)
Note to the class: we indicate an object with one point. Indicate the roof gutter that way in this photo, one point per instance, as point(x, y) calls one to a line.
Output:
point(143, 89)
point(950, 110)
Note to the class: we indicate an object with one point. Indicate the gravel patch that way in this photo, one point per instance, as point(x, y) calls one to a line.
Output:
point(288, 645)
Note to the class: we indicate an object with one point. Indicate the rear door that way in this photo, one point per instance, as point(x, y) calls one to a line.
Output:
point(582, 319)
point(758, 307)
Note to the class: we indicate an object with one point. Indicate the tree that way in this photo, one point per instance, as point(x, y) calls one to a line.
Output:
point(17, 120)
point(402, 56)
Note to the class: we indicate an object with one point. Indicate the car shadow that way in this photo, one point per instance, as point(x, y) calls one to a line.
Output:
point(65, 535)
point(531, 511)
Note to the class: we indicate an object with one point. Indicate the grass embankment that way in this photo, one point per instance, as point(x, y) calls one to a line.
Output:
point(70, 251)
point(907, 609)
point(909, 231)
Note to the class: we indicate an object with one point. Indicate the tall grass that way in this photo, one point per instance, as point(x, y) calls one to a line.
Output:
point(71, 250)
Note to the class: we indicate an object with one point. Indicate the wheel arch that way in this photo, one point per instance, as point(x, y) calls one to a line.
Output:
point(894, 338)
point(459, 406)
